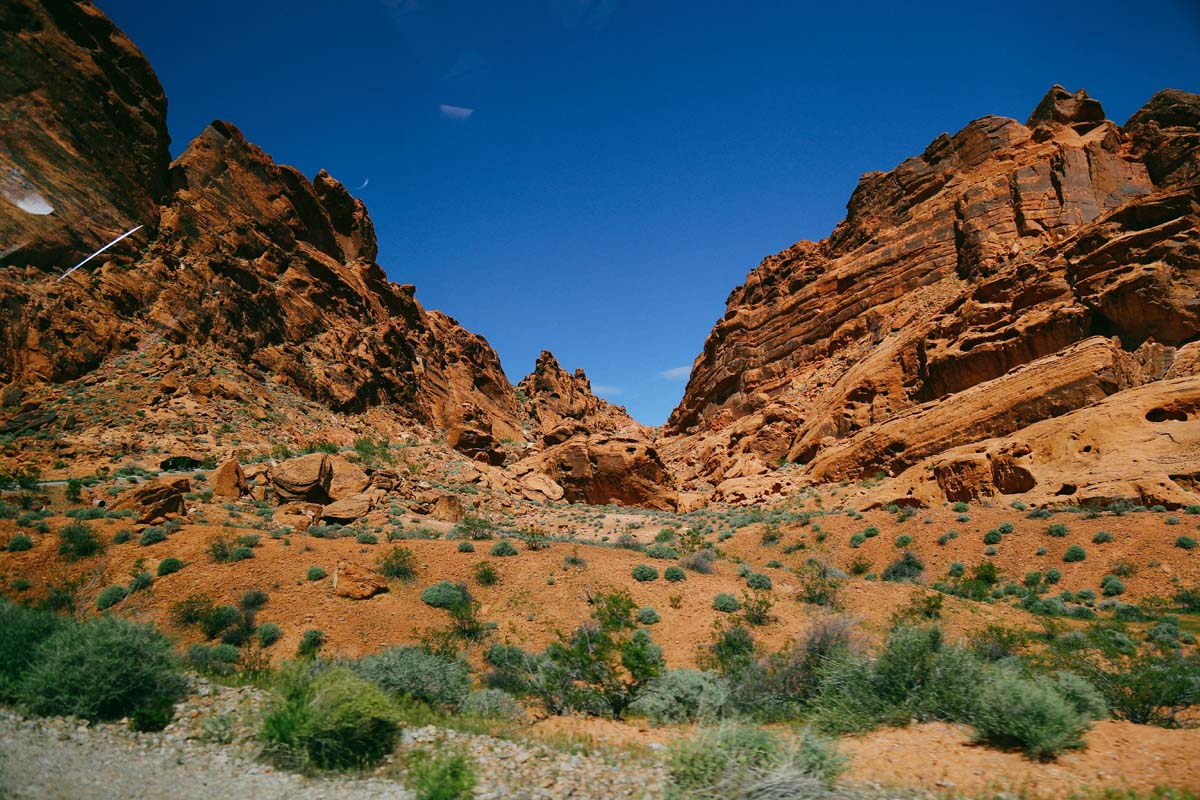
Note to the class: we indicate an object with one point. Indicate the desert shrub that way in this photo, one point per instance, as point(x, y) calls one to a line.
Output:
point(756, 580)
point(857, 540)
point(756, 606)
point(682, 695)
point(699, 561)
point(491, 704)
point(473, 528)
point(957, 570)
point(442, 595)
point(992, 537)
point(410, 671)
point(241, 553)
point(366, 537)
point(252, 600)
point(311, 642)
point(750, 762)
point(19, 543)
point(466, 547)
point(1082, 695)
point(1111, 586)
point(1149, 688)
point(217, 619)
point(21, 631)
point(1074, 554)
point(268, 634)
point(644, 573)
point(1006, 528)
point(960, 508)
point(1102, 537)
point(122, 536)
point(329, 719)
point(190, 610)
point(77, 540)
point(104, 669)
point(152, 536)
point(1186, 543)
point(907, 568)
point(219, 660)
point(662, 551)
point(315, 573)
point(1028, 713)
point(398, 563)
point(820, 584)
point(110, 597)
point(1056, 529)
point(648, 616)
point(726, 603)
point(503, 549)
point(447, 774)
point(1053, 576)
point(485, 574)
point(169, 566)
point(140, 581)
point(674, 574)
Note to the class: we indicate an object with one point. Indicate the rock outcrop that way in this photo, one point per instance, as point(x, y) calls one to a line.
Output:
point(603, 468)
point(559, 405)
point(238, 253)
point(1009, 274)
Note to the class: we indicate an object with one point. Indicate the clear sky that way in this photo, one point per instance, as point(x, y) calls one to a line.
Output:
point(593, 177)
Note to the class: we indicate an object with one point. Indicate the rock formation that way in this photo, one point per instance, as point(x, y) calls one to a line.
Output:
point(559, 405)
point(1009, 274)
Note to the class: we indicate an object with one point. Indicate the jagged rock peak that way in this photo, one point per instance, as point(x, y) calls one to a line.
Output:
point(560, 405)
point(1061, 107)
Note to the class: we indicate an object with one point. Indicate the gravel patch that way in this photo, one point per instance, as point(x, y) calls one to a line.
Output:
point(209, 752)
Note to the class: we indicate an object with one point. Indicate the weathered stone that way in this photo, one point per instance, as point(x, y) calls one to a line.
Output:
point(155, 500)
point(356, 582)
point(303, 478)
point(227, 480)
point(347, 509)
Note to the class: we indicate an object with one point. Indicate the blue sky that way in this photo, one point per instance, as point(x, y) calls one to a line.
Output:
point(593, 177)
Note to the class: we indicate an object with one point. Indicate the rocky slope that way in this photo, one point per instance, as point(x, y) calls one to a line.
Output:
point(1009, 275)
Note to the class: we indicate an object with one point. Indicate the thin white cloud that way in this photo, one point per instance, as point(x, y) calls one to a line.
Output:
point(676, 373)
point(601, 389)
point(455, 113)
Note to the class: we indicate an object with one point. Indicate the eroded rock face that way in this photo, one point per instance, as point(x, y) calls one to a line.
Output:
point(305, 479)
point(560, 405)
point(1008, 274)
point(602, 469)
point(228, 480)
point(239, 253)
point(83, 147)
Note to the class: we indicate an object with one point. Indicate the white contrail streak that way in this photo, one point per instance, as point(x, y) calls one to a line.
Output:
point(98, 252)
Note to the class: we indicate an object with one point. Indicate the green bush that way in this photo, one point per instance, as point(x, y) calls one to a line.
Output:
point(960, 508)
point(1183, 542)
point(756, 580)
point(152, 536)
point(268, 634)
point(466, 547)
point(485, 574)
point(399, 563)
point(726, 602)
point(216, 619)
point(104, 669)
point(857, 540)
point(443, 595)
point(1102, 537)
point(674, 574)
point(19, 543)
point(77, 540)
point(169, 566)
point(315, 573)
point(992, 537)
point(410, 671)
point(1074, 554)
point(491, 704)
point(1006, 528)
point(748, 761)
point(311, 642)
point(1111, 586)
point(110, 597)
point(1057, 530)
point(870, 532)
point(648, 616)
point(907, 568)
point(140, 582)
point(1028, 713)
point(21, 631)
point(683, 695)
point(447, 774)
point(903, 541)
point(330, 720)
point(644, 573)
point(503, 549)
point(662, 551)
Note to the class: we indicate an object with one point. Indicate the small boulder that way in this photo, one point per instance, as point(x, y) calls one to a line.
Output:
point(447, 508)
point(347, 510)
point(228, 480)
point(356, 582)
point(297, 515)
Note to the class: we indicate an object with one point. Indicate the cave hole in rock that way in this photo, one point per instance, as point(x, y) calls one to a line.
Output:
point(1166, 414)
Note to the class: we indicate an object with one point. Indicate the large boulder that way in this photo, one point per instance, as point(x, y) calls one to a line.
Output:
point(306, 478)
point(228, 480)
point(348, 509)
point(622, 469)
point(356, 582)
point(155, 500)
point(347, 478)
